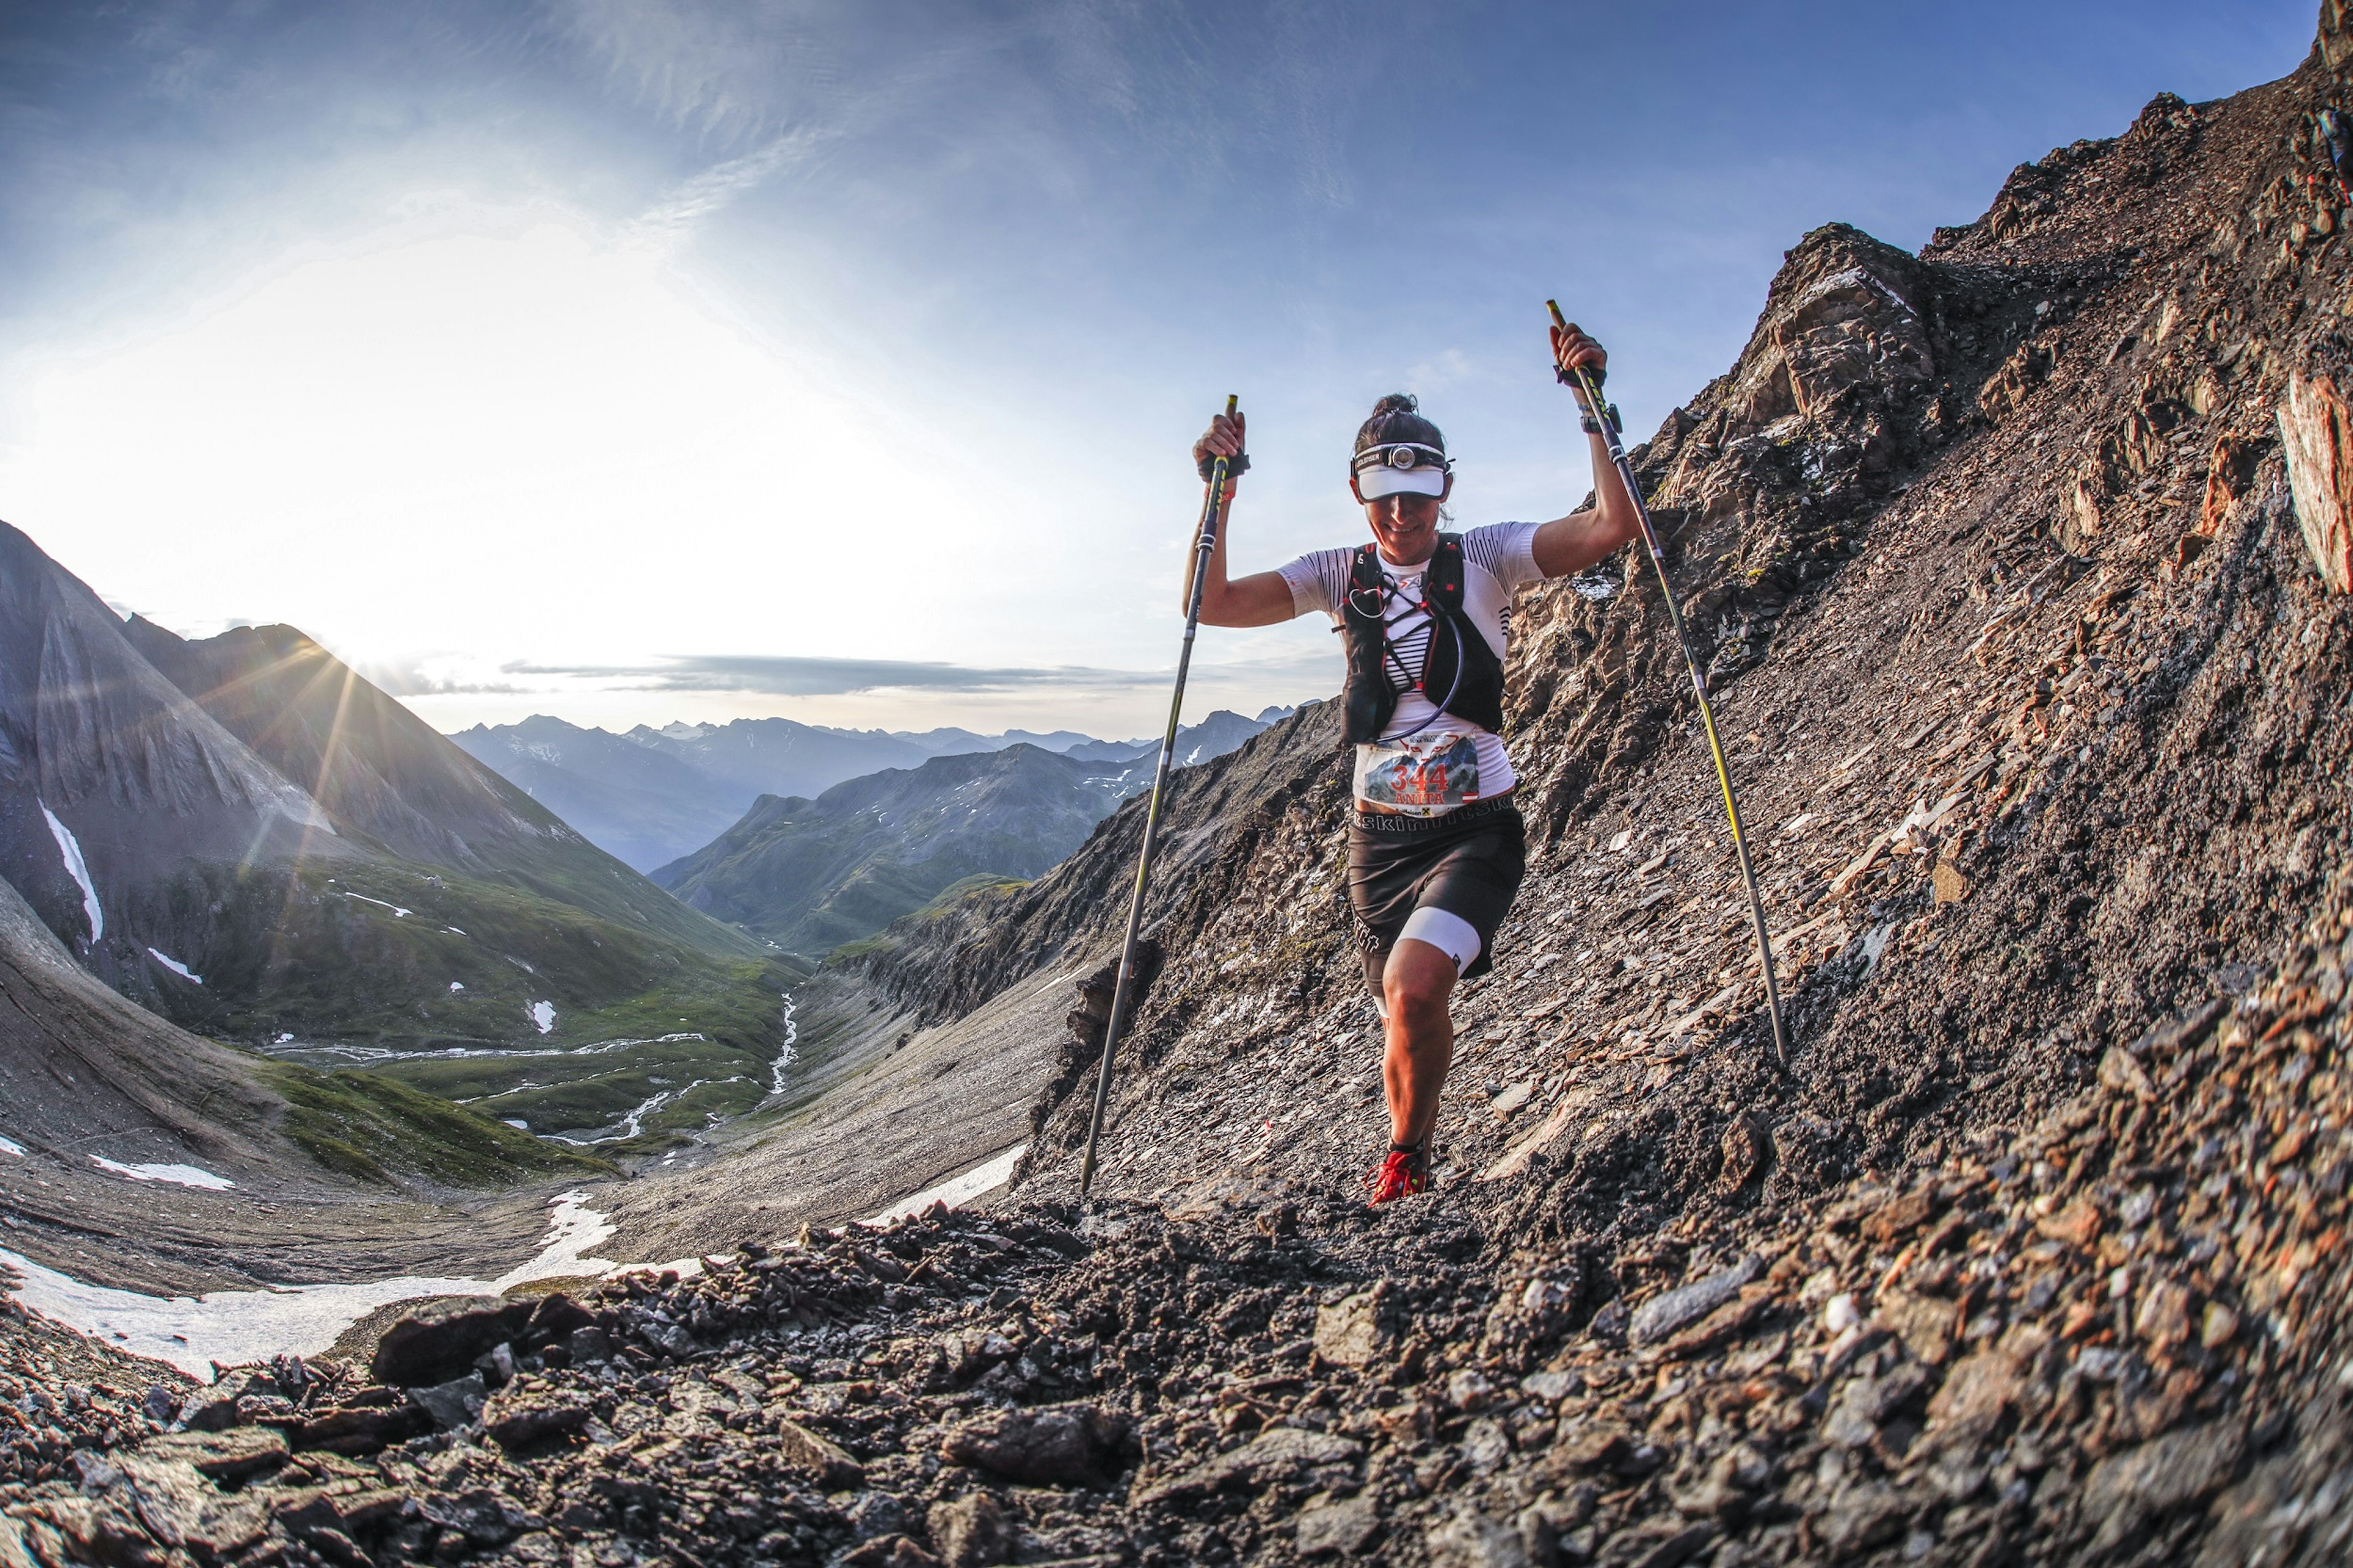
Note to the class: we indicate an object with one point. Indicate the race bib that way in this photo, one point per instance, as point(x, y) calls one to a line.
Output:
point(1420, 775)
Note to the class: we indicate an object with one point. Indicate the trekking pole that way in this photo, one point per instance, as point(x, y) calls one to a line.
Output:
point(1588, 392)
point(1213, 508)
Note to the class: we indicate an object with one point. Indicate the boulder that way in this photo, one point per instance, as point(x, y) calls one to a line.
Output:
point(2317, 430)
point(1055, 1445)
point(440, 1340)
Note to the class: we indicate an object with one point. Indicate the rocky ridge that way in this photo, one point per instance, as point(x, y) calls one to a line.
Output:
point(2114, 1338)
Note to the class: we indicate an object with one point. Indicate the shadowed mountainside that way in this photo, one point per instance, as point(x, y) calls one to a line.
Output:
point(810, 875)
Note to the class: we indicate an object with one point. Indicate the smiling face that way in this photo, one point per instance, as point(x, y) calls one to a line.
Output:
point(1405, 526)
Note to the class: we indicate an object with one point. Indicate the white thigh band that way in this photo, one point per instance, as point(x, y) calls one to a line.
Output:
point(1449, 933)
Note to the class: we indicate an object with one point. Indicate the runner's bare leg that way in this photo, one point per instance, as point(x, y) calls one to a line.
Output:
point(1415, 983)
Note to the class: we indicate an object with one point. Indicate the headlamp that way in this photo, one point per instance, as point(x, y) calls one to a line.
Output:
point(1400, 468)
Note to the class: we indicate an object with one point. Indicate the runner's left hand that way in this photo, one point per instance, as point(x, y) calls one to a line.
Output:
point(1572, 348)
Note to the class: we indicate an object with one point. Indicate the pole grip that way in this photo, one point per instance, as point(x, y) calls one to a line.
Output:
point(1579, 381)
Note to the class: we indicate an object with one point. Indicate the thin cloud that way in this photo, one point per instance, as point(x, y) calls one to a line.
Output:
point(719, 187)
point(788, 675)
point(780, 674)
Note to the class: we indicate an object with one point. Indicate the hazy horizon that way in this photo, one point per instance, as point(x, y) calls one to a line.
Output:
point(685, 360)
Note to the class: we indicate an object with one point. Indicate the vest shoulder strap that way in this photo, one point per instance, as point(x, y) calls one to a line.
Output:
point(1443, 578)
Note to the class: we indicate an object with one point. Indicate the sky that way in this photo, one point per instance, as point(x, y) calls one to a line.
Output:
point(646, 359)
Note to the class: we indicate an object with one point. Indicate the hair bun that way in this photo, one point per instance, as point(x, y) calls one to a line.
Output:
point(1398, 402)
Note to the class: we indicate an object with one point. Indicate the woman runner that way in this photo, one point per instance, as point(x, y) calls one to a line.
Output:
point(1435, 846)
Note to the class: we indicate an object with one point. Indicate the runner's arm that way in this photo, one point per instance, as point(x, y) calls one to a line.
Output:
point(1581, 539)
point(1261, 599)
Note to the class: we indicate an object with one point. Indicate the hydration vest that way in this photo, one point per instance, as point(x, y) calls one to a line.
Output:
point(1459, 673)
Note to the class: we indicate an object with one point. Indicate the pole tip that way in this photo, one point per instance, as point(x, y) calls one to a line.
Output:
point(1557, 318)
point(1233, 401)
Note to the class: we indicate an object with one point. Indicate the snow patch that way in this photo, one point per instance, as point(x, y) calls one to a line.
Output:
point(543, 1016)
point(174, 965)
point(517, 1122)
point(10, 1146)
point(397, 912)
point(235, 1326)
point(179, 1175)
point(956, 1191)
point(456, 985)
point(78, 870)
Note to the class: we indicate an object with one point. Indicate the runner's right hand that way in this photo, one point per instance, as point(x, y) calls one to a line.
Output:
point(1222, 439)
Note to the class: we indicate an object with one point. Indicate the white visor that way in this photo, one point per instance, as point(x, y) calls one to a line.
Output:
point(1379, 481)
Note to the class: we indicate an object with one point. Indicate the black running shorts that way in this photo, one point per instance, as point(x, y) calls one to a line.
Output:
point(1467, 863)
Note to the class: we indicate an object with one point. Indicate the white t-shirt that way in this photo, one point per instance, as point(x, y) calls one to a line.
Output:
point(1428, 762)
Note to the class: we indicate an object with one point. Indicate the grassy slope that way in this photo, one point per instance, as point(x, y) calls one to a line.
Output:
point(351, 981)
point(374, 1130)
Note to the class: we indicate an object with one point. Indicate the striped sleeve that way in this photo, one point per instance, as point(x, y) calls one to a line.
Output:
point(1319, 581)
point(1507, 550)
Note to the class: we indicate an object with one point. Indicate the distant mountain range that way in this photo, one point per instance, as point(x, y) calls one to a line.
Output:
point(810, 875)
point(248, 838)
point(650, 797)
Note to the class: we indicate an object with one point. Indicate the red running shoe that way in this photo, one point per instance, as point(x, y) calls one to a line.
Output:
point(1405, 1173)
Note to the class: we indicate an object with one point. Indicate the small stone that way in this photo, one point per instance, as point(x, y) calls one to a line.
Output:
point(515, 1419)
point(888, 1552)
point(2120, 1073)
point(1841, 1313)
point(361, 1430)
point(1747, 1145)
point(2158, 1476)
point(1344, 1527)
point(1949, 885)
point(2163, 1319)
point(1510, 1100)
point(454, 1406)
point(1900, 1216)
point(799, 1448)
point(1861, 1517)
point(1925, 1324)
point(1484, 1445)
point(1351, 1332)
point(2078, 1224)
point(1275, 1455)
point(971, 1532)
point(483, 1517)
point(1470, 1539)
point(1662, 1315)
point(237, 1454)
point(2218, 1327)
point(589, 1345)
